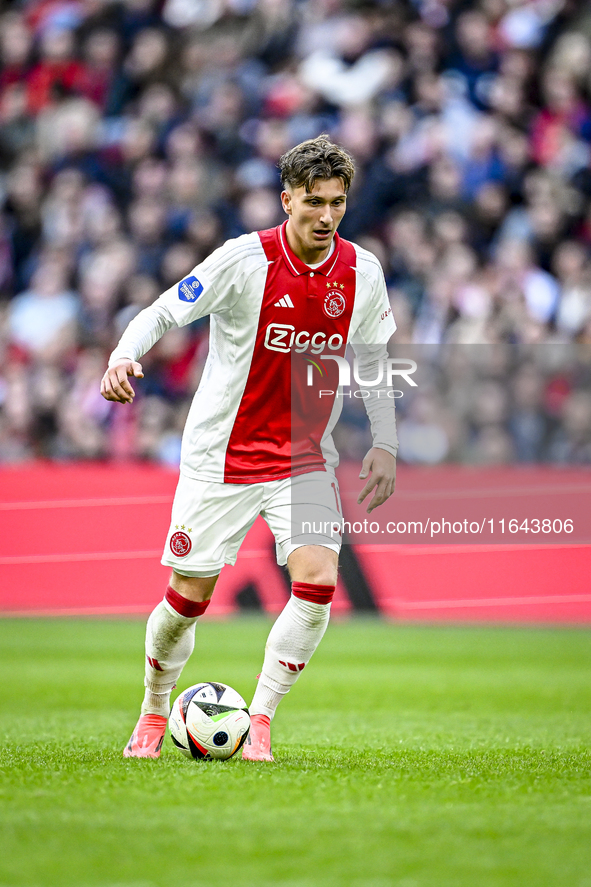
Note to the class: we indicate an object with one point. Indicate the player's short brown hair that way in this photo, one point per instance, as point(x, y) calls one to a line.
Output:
point(315, 159)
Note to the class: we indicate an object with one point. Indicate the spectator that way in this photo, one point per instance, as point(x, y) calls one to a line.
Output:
point(42, 319)
point(16, 43)
point(58, 69)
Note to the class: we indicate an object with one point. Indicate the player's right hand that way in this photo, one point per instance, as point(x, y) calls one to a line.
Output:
point(115, 385)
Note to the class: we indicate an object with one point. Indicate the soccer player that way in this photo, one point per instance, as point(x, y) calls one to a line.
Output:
point(295, 290)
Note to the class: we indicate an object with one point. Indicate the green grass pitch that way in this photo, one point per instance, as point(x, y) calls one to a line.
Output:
point(407, 756)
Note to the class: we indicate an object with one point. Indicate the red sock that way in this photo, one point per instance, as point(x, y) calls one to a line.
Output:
point(183, 606)
point(316, 594)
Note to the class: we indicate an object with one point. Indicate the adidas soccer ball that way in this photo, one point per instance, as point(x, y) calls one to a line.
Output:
point(209, 720)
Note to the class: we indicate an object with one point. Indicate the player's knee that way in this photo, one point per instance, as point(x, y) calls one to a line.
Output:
point(317, 574)
point(313, 564)
point(194, 588)
point(323, 577)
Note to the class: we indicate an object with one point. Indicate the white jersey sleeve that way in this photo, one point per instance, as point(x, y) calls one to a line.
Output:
point(142, 333)
point(372, 322)
point(374, 327)
point(379, 405)
point(213, 287)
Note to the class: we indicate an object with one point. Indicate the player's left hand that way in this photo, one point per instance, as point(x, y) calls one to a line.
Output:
point(380, 467)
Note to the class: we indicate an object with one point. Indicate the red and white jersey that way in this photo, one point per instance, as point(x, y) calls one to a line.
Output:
point(265, 306)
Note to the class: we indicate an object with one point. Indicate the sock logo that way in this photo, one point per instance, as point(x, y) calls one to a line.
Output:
point(292, 666)
point(154, 663)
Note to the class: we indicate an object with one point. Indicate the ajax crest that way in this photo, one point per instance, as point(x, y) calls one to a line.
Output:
point(334, 304)
point(180, 544)
point(190, 289)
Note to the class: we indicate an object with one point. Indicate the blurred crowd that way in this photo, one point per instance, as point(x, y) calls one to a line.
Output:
point(138, 135)
point(486, 404)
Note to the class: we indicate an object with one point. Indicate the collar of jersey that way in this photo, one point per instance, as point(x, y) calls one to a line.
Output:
point(296, 266)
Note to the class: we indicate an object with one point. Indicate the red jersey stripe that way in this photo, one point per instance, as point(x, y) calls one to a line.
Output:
point(280, 422)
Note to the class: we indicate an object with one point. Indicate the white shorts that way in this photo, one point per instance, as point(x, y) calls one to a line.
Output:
point(210, 520)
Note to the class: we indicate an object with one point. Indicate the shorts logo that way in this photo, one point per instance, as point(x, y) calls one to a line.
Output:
point(180, 544)
point(334, 304)
point(190, 289)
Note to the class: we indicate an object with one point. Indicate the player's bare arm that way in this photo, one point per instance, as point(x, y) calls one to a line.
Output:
point(379, 467)
point(115, 383)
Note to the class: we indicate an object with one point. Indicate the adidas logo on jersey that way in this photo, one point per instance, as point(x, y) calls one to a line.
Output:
point(285, 302)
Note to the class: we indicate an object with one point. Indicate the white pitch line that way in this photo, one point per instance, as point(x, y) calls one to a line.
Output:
point(80, 611)
point(400, 495)
point(78, 557)
point(421, 548)
point(398, 550)
point(84, 503)
point(486, 493)
point(130, 609)
point(488, 602)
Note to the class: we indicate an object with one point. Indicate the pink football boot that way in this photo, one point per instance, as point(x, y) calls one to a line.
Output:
point(147, 738)
point(258, 742)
